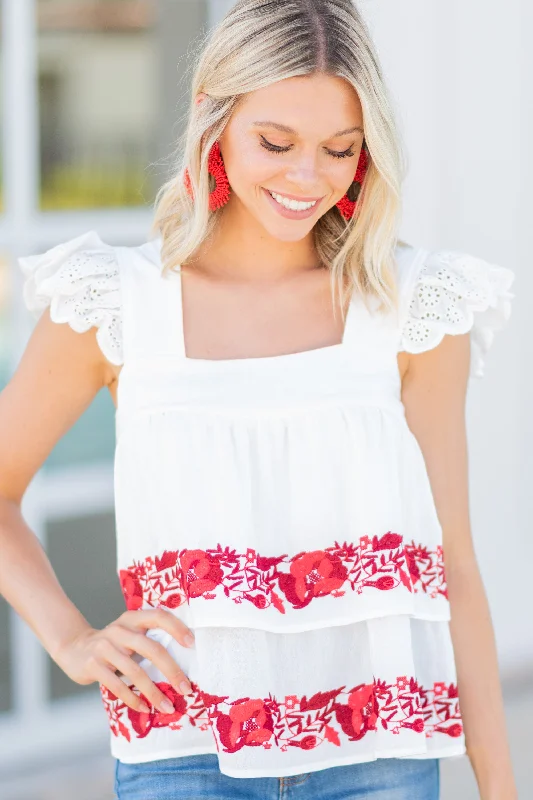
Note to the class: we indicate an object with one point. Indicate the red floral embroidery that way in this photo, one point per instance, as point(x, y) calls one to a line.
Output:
point(297, 721)
point(382, 563)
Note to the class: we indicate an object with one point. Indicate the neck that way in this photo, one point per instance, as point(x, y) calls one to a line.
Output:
point(241, 249)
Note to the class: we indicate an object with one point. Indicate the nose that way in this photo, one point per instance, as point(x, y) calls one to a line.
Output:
point(304, 175)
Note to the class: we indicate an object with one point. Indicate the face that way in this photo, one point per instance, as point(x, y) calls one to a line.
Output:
point(299, 138)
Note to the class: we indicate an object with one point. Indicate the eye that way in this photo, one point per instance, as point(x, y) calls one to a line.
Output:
point(274, 148)
point(345, 153)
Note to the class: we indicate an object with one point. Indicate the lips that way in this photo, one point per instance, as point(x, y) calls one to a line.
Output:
point(289, 213)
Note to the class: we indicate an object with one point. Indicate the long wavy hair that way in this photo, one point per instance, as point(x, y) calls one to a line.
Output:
point(257, 43)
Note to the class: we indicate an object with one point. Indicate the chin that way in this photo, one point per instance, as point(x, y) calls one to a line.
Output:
point(288, 236)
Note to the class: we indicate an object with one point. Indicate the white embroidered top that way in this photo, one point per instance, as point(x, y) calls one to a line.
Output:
point(280, 506)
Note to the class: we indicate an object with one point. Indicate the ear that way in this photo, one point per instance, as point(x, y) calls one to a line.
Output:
point(199, 97)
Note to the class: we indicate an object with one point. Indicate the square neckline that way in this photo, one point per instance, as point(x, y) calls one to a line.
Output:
point(300, 354)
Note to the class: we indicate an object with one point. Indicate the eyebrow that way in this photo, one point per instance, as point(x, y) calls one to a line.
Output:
point(286, 129)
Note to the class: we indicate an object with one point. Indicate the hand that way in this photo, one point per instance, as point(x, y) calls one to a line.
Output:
point(100, 655)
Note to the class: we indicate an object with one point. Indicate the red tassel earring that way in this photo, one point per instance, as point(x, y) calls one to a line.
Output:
point(220, 194)
point(345, 205)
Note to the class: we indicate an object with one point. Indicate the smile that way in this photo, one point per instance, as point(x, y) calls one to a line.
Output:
point(295, 205)
point(289, 207)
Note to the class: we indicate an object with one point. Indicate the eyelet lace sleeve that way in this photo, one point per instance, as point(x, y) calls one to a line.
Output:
point(454, 293)
point(79, 280)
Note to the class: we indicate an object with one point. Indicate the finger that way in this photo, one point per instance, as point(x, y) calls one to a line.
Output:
point(145, 619)
point(107, 678)
point(107, 654)
point(158, 655)
point(140, 678)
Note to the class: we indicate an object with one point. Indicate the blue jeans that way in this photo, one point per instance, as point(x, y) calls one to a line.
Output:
point(198, 777)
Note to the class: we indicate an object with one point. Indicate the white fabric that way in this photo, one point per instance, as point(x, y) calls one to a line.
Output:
point(281, 508)
point(455, 293)
point(79, 281)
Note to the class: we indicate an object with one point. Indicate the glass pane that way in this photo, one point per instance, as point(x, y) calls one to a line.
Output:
point(5, 308)
point(91, 438)
point(1, 127)
point(113, 84)
point(5, 658)
point(82, 553)
point(5, 369)
point(98, 102)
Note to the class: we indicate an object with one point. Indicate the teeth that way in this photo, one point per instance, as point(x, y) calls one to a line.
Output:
point(293, 205)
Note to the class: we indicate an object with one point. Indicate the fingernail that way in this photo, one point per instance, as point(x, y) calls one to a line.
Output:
point(167, 707)
point(185, 687)
point(189, 640)
point(144, 707)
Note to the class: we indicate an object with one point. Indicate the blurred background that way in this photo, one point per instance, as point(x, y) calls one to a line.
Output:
point(92, 96)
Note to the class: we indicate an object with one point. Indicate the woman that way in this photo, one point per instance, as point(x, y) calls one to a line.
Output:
point(284, 370)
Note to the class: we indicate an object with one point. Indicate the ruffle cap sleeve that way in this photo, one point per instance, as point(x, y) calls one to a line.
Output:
point(80, 281)
point(454, 292)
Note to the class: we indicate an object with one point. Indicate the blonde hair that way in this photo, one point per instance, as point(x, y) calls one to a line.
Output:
point(256, 44)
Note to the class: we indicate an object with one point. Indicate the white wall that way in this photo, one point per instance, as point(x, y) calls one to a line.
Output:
point(217, 9)
point(460, 74)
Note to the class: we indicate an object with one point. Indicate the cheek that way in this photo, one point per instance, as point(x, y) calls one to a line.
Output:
point(342, 176)
point(251, 167)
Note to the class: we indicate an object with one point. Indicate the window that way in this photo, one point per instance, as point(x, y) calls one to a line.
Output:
point(97, 94)
point(98, 102)
point(82, 552)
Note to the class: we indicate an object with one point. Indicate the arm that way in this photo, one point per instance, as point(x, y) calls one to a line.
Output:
point(56, 380)
point(434, 395)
